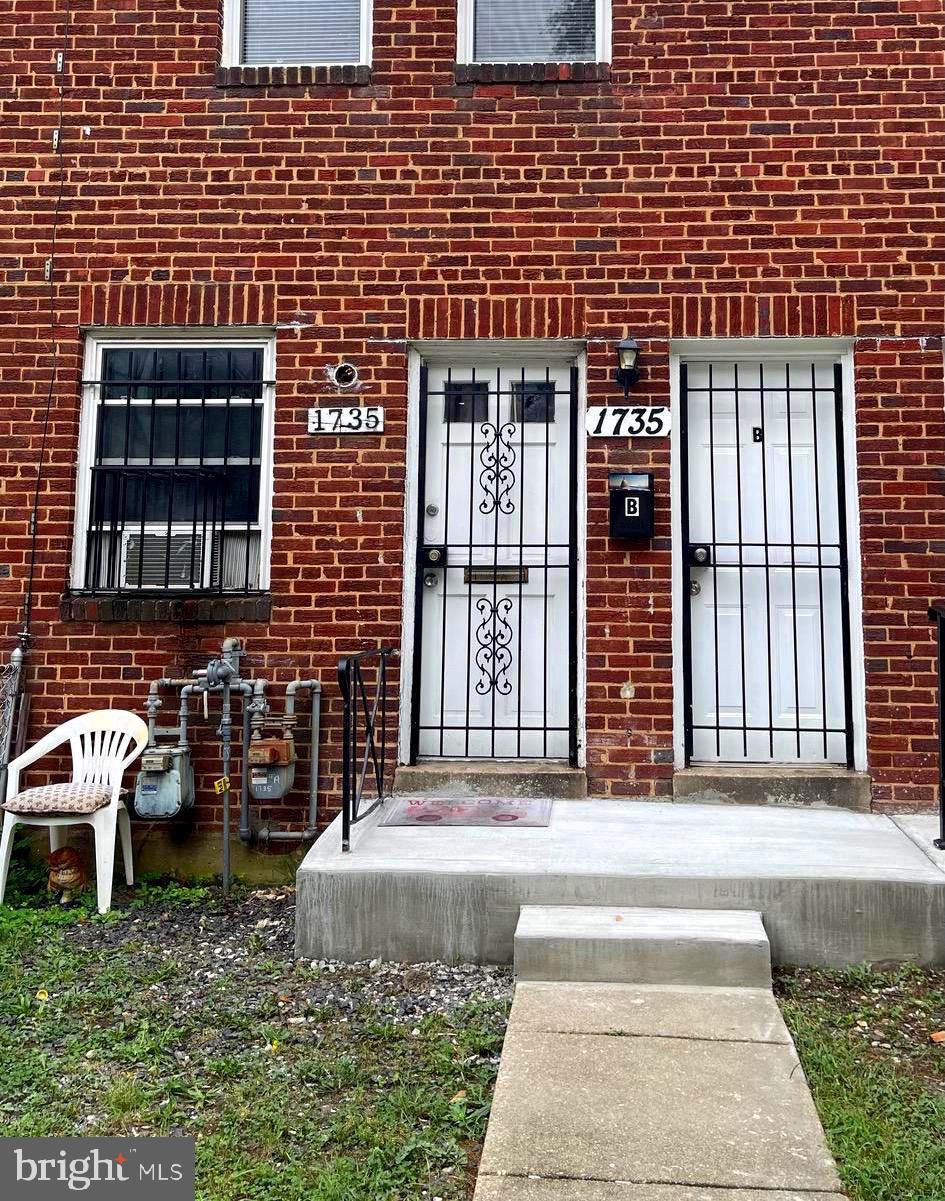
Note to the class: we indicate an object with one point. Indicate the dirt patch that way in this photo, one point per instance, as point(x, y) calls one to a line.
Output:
point(893, 1015)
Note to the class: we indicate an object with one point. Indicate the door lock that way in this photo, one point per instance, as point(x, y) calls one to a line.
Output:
point(700, 555)
point(432, 510)
point(433, 556)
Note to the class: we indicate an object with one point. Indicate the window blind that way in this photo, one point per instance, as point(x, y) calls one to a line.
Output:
point(534, 31)
point(301, 31)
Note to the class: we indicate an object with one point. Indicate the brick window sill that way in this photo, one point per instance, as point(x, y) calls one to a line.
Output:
point(292, 77)
point(189, 610)
point(546, 73)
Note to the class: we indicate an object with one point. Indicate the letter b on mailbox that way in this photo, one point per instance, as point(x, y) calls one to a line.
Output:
point(631, 504)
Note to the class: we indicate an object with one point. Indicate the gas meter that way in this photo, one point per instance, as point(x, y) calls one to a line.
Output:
point(165, 784)
point(271, 768)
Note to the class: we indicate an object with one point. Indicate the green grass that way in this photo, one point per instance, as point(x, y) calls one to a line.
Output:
point(876, 1076)
point(117, 1038)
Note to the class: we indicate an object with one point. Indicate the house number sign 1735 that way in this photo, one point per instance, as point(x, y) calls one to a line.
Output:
point(346, 419)
point(628, 421)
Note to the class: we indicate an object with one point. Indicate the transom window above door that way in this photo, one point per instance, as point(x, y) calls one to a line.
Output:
point(534, 31)
point(274, 33)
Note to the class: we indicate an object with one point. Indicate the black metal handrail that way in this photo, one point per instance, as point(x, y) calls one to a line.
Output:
point(364, 736)
point(937, 614)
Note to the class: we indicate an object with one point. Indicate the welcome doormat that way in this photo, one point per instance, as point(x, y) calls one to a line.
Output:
point(469, 811)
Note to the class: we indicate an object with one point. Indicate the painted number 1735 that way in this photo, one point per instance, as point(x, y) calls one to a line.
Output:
point(347, 419)
point(625, 421)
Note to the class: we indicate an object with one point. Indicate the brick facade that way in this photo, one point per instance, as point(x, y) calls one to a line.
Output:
point(759, 169)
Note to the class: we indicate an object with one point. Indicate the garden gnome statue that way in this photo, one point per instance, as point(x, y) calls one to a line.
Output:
point(66, 873)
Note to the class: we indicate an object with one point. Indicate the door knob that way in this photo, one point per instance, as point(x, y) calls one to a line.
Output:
point(700, 555)
point(433, 556)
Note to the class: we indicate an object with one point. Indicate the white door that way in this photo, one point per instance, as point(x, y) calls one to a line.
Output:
point(768, 654)
point(496, 637)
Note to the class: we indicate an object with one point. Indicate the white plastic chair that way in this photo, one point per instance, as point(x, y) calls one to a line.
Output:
point(103, 744)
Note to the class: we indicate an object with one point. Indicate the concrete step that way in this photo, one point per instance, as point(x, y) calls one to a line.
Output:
point(801, 787)
point(719, 947)
point(501, 778)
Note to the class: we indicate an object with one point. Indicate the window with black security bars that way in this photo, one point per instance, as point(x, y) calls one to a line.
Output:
point(176, 472)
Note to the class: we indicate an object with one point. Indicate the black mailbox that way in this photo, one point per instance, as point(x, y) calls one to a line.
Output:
point(631, 504)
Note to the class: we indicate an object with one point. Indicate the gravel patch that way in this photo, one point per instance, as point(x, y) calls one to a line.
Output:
point(244, 945)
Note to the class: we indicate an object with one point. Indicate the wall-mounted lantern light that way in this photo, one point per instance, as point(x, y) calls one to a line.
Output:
point(627, 373)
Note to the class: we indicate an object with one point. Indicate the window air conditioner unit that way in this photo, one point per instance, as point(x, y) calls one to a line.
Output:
point(159, 560)
point(162, 560)
point(182, 557)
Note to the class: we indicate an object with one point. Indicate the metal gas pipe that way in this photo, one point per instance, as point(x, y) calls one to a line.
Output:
point(289, 724)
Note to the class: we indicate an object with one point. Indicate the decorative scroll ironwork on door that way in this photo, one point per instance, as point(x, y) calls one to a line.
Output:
point(766, 625)
point(495, 647)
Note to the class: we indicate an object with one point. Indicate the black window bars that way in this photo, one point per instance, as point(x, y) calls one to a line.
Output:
point(764, 541)
point(175, 488)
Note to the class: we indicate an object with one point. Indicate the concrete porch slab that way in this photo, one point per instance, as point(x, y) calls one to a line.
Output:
point(654, 1111)
point(833, 887)
point(923, 829)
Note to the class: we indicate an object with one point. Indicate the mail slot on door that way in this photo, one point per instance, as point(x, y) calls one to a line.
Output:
point(631, 504)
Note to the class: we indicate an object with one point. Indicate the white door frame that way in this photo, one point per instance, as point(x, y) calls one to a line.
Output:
point(777, 349)
point(478, 350)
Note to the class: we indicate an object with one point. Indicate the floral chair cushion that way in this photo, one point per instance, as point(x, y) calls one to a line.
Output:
point(59, 800)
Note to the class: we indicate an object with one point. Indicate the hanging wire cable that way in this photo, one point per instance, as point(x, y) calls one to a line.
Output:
point(54, 342)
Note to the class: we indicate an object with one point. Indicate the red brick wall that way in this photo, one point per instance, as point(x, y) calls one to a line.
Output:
point(753, 169)
point(901, 464)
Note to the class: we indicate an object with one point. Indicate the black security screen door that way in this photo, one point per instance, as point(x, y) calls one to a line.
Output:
point(766, 615)
point(495, 674)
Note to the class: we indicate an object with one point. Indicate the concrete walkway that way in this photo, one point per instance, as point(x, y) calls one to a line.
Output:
point(623, 1092)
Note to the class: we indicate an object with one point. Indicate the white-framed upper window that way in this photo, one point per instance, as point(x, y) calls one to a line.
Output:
point(533, 31)
point(276, 33)
point(174, 485)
